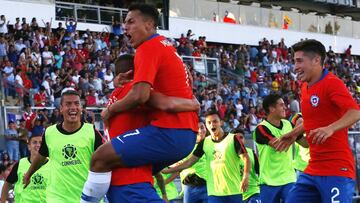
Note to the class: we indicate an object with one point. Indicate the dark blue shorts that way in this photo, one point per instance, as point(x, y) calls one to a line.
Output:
point(134, 193)
point(225, 199)
point(273, 194)
point(159, 147)
point(322, 189)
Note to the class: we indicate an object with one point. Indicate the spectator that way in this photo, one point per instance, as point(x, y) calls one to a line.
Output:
point(23, 138)
point(91, 98)
point(116, 27)
point(252, 119)
point(47, 57)
point(17, 25)
point(40, 97)
point(3, 25)
point(38, 127)
point(5, 159)
point(4, 47)
point(108, 79)
point(70, 26)
point(56, 117)
point(294, 104)
point(12, 141)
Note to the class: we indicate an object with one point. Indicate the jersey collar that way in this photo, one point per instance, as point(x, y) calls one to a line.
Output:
point(152, 36)
point(324, 74)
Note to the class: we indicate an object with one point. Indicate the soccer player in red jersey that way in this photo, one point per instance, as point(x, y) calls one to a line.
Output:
point(328, 110)
point(135, 184)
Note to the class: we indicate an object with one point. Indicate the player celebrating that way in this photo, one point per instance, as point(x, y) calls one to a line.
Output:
point(170, 136)
point(225, 180)
point(193, 179)
point(36, 190)
point(69, 145)
point(135, 184)
point(277, 174)
point(328, 110)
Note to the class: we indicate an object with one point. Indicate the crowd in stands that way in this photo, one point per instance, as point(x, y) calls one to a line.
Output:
point(38, 63)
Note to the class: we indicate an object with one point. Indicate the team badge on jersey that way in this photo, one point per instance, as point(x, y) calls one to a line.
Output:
point(314, 100)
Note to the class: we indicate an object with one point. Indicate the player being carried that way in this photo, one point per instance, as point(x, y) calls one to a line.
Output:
point(171, 136)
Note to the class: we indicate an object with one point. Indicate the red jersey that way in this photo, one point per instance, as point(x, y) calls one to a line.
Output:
point(121, 123)
point(40, 97)
point(157, 63)
point(322, 104)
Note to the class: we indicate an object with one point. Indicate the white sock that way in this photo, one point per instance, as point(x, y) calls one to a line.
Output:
point(95, 187)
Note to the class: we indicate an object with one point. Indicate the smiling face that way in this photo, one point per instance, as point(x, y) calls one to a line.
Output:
point(138, 28)
point(71, 108)
point(34, 144)
point(306, 66)
point(279, 109)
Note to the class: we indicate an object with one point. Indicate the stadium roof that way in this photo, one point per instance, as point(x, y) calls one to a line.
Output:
point(321, 7)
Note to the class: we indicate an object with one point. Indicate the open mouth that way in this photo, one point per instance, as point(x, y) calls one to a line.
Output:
point(213, 129)
point(128, 36)
point(300, 74)
point(73, 114)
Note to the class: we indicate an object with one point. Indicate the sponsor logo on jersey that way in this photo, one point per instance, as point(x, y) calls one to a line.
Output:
point(69, 152)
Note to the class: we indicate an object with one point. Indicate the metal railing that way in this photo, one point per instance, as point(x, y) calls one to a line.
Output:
point(204, 65)
point(86, 13)
point(89, 13)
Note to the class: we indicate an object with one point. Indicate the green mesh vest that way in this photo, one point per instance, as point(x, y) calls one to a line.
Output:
point(224, 167)
point(36, 190)
point(276, 168)
point(301, 157)
point(301, 154)
point(70, 156)
point(253, 178)
point(171, 191)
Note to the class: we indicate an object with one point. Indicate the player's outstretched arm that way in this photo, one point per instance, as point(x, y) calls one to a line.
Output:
point(173, 104)
point(186, 164)
point(320, 135)
point(247, 165)
point(161, 184)
point(38, 161)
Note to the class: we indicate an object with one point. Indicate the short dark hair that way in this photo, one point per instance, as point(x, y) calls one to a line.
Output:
point(146, 10)
point(34, 135)
point(211, 112)
point(311, 46)
point(124, 63)
point(270, 101)
point(68, 92)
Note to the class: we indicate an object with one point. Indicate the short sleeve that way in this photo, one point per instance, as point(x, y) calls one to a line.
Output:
point(146, 65)
point(340, 95)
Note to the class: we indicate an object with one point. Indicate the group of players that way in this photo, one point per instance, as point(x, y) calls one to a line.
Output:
point(152, 120)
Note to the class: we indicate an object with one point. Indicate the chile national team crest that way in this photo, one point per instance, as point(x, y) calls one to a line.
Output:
point(314, 100)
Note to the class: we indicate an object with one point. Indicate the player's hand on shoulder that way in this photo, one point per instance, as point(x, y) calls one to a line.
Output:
point(320, 135)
